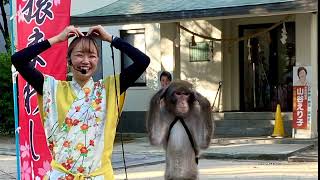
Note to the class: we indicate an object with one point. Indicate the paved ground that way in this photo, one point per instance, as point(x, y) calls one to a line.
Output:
point(227, 158)
point(8, 167)
point(234, 170)
point(208, 169)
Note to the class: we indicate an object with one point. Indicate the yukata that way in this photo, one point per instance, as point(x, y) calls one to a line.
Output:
point(80, 126)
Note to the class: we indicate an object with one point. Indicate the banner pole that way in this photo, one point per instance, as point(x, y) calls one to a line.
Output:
point(14, 86)
point(11, 19)
point(16, 119)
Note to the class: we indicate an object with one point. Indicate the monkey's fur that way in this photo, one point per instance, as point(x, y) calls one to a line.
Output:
point(180, 100)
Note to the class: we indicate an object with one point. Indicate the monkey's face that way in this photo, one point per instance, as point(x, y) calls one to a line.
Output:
point(179, 98)
point(182, 103)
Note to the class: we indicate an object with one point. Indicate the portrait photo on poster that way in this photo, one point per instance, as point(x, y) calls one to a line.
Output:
point(302, 76)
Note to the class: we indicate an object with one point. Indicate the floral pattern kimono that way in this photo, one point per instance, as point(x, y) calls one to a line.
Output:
point(80, 126)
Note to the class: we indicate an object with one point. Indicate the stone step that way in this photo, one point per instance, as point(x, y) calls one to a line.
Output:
point(310, 155)
point(231, 130)
point(248, 123)
point(250, 115)
point(254, 151)
point(239, 124)
point(303, 159)
point(263, 140)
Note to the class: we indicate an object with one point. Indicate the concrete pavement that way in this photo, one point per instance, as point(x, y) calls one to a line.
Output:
point(7, 146)
point(227, 159)
point(212, 169)
point(139, 155)
point(208, 170)
point(138, 151)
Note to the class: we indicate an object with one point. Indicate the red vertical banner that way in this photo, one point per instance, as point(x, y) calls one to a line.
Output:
point(38, 20)
point(300, 107)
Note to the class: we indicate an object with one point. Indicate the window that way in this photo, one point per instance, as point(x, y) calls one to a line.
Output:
point(200, 51)
point(136, 38)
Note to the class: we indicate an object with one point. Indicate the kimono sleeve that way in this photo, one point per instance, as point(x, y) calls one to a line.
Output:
point(112, 85)
point(47, 101)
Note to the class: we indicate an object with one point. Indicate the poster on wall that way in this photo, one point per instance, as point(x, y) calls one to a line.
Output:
point(301, 97)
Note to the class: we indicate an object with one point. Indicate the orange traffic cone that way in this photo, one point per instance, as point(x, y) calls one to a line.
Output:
point(278, 130)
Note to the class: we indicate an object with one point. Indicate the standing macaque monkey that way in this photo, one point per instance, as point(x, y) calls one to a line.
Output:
point(182, 124)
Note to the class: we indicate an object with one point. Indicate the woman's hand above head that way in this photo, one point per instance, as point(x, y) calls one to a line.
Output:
point(69, 31)
point(98, 31)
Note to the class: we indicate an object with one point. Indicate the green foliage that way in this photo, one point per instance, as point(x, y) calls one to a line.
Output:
point(6, 96)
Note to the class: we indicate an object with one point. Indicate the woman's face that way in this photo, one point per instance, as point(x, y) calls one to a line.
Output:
point(84, 58)
point(302, 75)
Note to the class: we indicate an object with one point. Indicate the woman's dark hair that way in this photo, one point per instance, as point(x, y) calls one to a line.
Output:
point(87, 43)
point(300, 69)
point(167, 74)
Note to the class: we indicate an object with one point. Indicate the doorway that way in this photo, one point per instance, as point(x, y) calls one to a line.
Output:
point(266, 63)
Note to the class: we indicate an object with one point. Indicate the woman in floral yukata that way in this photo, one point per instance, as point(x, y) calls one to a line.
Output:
point(80, 116)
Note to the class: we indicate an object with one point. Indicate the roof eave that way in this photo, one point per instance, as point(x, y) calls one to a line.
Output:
point(243, 11)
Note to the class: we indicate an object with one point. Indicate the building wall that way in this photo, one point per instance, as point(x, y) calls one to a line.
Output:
point(137, 98)
point(205, 76)
point(163, 48)
point(168, 51)
point(160, 47)
point(307, 54)
point(168, 45)
point(175, 57)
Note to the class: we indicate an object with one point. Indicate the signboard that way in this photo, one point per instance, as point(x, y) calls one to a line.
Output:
point(38, 20)
point(301, 97)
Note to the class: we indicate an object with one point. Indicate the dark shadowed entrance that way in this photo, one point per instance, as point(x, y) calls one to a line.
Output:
point(266, 67)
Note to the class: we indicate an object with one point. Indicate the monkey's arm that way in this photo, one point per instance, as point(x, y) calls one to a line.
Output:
point(156, 123)
point(206, 123)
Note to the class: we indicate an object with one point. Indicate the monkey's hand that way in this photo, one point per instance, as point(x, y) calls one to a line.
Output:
point(205, 120)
